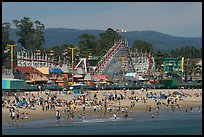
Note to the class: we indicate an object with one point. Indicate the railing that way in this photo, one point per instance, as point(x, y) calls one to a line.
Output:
point(106, 57)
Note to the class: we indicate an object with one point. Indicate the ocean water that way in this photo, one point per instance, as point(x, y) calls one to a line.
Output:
point(163, 123)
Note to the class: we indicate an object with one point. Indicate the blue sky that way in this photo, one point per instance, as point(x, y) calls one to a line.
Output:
point(173, 18)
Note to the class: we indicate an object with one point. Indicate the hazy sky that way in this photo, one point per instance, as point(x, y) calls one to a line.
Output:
point(173, 18)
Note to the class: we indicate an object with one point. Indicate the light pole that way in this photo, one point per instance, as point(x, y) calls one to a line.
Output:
point(123, 67)
point(182, 67)
point(187, 68)
point(12, 48)
point(51, 62)
point(72, 64)
point(39, 65)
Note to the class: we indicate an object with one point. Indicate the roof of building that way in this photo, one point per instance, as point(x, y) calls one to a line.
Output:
point(28, 69)
point(44, 70)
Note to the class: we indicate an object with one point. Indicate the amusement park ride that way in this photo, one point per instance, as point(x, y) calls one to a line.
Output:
point(117, 64)
point(118, 61)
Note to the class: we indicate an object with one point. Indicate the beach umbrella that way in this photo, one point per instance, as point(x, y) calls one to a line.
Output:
point(162, 96)
point(21, 103)
point(71, 88)
point(176, 93)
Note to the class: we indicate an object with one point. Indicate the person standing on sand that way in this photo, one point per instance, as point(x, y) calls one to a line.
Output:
point(17, 115)
point(123, 109)
point(58, 115)
point(26, 116)
point(142, 89)
point(150, 108)
point(13, 115)
point(43, 106)
point(84, 107)
point(22, 116)
point(10, 111)
point(94, 108)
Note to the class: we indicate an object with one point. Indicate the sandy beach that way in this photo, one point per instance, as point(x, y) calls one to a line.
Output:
point(192, 99)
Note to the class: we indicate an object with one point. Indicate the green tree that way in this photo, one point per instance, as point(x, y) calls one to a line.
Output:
point(196, 53)
point(175, 53)
point(106, 41)
point(31, 34)
point(142, 45)
point(187, 52)
point(5, 41)
point(60, 49)
point(190, 52)
point(87, 45)
point(39, 34)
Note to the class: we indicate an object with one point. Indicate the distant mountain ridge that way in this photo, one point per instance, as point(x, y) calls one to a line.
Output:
point(161, 41)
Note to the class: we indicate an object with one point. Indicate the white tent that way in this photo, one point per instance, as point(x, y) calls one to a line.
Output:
point(88, 77)
point(133, 76)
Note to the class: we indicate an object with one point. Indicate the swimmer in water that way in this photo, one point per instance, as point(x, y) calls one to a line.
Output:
point(126, 114)
point(115, 115)
point(80, 116)
point(191, 109)
point(152, 115)
point(199, 110)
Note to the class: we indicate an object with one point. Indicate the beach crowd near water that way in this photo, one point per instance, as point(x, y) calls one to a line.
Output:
point(21, 107)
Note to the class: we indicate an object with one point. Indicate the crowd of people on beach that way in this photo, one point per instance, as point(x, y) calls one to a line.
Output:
point(16, 116)
point(109, 104)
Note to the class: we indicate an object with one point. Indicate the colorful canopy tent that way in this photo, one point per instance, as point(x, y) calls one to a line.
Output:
point(21, 103)
point(163, 96)
point(56, 70)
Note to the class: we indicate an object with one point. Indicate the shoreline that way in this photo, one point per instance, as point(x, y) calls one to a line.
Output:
point(140, 106)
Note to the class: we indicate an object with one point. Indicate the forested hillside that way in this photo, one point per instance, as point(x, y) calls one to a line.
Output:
point(161, 41)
